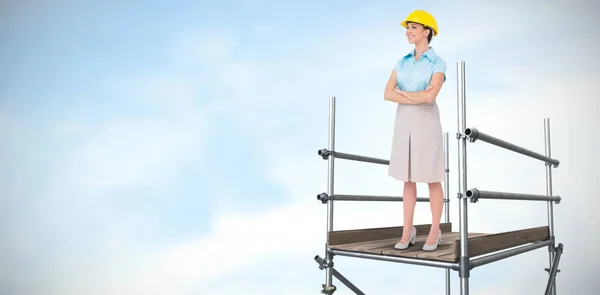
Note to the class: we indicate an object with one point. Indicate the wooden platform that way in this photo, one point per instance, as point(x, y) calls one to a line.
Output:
point(381, 241)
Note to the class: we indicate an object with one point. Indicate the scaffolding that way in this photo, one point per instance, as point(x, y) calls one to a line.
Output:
point(459, 251)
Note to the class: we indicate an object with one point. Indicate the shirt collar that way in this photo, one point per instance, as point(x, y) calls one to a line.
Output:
point(429, 54)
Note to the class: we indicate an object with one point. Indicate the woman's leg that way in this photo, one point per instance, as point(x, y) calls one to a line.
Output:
point(409, 200)
point(436, 202)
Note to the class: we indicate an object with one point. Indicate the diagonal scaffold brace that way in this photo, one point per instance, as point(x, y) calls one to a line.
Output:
point(554, 269)
point(337, 275)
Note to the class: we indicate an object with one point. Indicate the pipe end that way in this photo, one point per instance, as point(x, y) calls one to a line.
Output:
point(473, 194)
point(472, 133)
point(468, 131)
point(324, 153)
point(323, 197)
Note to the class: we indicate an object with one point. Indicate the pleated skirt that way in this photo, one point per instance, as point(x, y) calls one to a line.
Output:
point(417, 153)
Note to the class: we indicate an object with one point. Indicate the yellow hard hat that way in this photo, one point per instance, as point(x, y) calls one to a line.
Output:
point(422, 17)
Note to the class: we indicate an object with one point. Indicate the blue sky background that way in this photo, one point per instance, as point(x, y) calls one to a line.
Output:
point(170, 147)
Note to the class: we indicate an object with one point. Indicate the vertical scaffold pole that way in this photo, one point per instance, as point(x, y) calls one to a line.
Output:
point(462, 180)
point(328, 288)
point(447, 196)
point(548, 153)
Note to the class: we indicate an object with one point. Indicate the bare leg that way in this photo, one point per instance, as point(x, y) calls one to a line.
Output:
point(409, 201)
point(436, 201)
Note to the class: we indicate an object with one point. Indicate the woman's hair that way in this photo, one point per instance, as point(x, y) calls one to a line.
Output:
point(430, 36)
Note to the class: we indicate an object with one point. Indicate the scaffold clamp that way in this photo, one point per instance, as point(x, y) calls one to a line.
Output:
point(324, 153)
point(323, 197)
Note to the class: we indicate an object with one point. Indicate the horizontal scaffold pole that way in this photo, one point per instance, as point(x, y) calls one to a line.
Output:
point(476, 262)
point(413, 261)
point(476, 194)
point(323, 197)
point(326, 153)
point(473, 134)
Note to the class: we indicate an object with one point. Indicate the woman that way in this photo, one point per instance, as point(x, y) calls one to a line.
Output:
point(417, 152)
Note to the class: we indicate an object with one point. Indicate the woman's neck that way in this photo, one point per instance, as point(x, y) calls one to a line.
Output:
point(420, 49)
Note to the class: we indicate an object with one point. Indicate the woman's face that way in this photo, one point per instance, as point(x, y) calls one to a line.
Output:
point(416, 32)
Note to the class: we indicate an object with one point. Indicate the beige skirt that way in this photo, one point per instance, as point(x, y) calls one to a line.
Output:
point(417, 153)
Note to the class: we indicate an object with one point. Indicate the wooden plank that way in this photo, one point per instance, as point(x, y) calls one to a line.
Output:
point(375, 234)
point(450, 257)
point(371, 245)
point(445, 247)
point(455, 236)
point(441, 251)
point(419, 241)
point(500, 241)
point(386, 247)
point(447, 251)
point(414, 251)
point(361, 245)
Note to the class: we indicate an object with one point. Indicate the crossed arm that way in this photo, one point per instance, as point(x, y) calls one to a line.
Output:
point(393, 93)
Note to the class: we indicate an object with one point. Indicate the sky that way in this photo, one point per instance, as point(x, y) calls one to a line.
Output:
point(171, 147)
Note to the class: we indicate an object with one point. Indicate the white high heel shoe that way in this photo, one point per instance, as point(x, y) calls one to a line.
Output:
point(411, 240)
point(434, 246)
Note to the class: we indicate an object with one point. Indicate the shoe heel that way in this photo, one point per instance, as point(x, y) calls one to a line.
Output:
point(411, 241)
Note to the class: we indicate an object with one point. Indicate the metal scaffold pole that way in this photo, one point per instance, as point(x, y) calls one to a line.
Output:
point(328, 288)
point(462, 180)
point(551, 247)
point(447, 196)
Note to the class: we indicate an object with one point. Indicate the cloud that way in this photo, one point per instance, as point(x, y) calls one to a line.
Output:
point(134, 152)
point(247, 238)
point(91, 207)
point(143, 148)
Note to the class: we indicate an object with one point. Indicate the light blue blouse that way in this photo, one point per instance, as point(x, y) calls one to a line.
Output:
point(414, 75)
